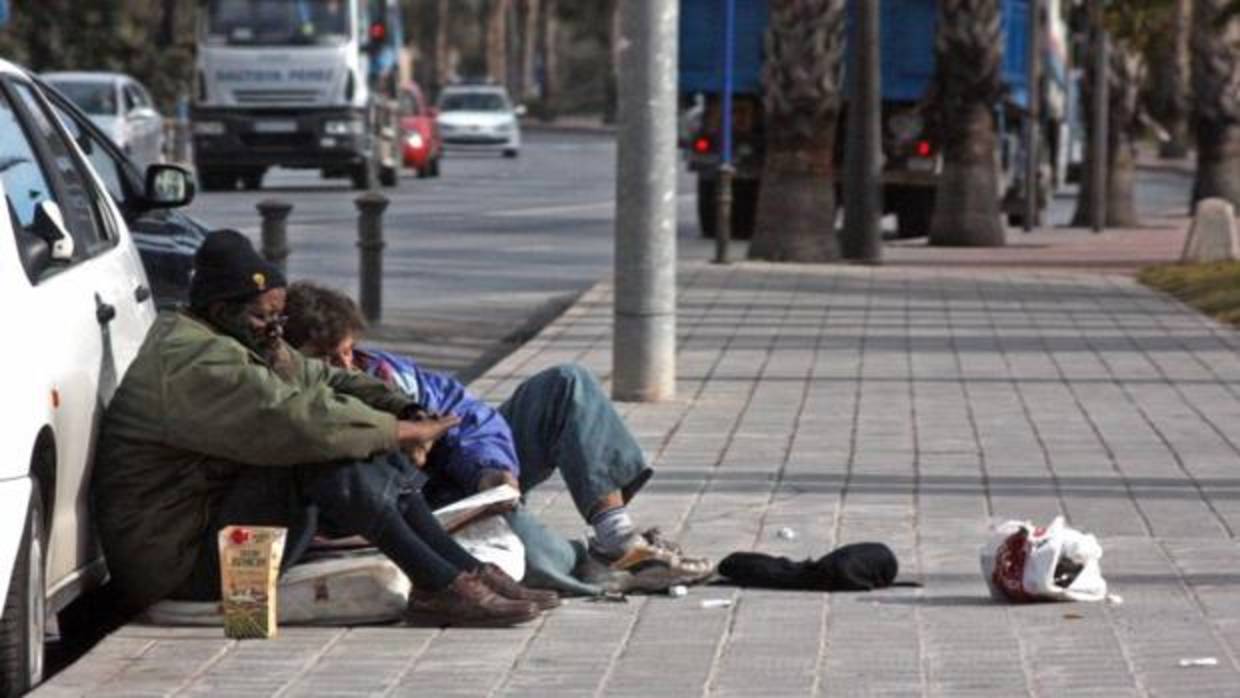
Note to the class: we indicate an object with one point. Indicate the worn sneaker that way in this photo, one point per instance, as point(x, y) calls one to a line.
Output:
point(649, 562)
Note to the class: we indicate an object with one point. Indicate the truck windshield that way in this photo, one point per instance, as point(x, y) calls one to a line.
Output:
point(277, 22)
point(473, 101)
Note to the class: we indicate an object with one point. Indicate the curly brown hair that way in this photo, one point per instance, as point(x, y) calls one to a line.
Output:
point(319, 316)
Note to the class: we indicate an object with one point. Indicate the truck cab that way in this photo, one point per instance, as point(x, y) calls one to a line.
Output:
point(296, 83)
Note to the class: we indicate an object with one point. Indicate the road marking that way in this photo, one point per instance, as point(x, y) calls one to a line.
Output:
point(545, 210)
point(567, 208)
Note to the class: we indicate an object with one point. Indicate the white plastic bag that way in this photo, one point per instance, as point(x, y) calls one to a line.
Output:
point(1025, 563)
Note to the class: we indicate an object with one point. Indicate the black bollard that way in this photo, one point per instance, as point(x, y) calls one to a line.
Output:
point(370, 244)
point(275, 230)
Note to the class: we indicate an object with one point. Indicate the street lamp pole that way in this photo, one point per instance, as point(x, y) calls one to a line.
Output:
point(1034, 116)
point(862, 240)
point(723, 217)
point(644, 334)
point(1098, 125)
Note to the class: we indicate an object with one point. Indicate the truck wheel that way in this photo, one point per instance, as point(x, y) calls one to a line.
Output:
point(913, 215)
point(364, 175)
point(744, 207)
point(212, 180)
point(707, 207)
point(23, 623)
point(253, 179)
point(389, 176)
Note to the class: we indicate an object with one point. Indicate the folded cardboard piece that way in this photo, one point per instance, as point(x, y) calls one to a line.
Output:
point(347, 582)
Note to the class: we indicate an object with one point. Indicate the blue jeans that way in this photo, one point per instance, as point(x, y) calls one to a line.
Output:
point(562, 420)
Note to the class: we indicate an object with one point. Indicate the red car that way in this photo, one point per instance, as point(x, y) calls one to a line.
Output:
point(420, 140)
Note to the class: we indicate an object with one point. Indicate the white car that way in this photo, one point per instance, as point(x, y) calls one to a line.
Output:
point(78, 304)
point(479, 117)
point(121, 107)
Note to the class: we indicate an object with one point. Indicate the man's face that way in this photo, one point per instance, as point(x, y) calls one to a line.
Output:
point(339, 355)
point(259, 324)
point(265, 318)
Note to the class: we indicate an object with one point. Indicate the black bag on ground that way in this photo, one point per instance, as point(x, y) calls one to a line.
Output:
point(853, 567)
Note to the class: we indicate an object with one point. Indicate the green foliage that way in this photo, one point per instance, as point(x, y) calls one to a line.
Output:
point(1214, 288)
point(114, 35)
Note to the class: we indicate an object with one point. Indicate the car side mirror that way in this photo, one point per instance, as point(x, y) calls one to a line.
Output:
point(168, 186)
point(519, 110)
point(49, 225)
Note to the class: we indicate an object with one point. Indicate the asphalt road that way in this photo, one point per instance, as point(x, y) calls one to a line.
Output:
point(477, 259)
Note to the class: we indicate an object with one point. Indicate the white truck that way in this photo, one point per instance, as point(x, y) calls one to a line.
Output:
point(296, 83)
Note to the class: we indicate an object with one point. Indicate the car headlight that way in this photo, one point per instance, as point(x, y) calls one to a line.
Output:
point(209, 128)
point(505, 127)
point(351, 127)
point(414, 140)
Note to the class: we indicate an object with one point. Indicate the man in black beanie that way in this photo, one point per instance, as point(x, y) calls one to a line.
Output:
point(219, 422)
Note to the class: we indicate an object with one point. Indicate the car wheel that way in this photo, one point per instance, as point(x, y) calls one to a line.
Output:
point(511, 153)
point(217, 181)
point(252, 180)
point(25, 613)
point(434, 167)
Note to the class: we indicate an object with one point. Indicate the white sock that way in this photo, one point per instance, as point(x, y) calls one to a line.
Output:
point(612, 530)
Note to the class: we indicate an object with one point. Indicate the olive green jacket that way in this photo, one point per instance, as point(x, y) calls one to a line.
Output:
point(194, 407)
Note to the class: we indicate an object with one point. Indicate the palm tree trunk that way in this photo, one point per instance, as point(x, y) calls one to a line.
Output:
point(1177, 116)
point(497, 34)
point(1125, 75)
point(968, 57)
point(801, 78)
point(529, 42)
point(443, 26)
point(550, 59)
point(966, 204)
point(1216, 101)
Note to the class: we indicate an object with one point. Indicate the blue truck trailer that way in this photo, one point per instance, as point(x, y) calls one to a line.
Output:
point(911, 158)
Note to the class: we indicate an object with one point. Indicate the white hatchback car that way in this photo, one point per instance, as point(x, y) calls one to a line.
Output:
point(479, 117)
point(120, 106)
point(78, 305)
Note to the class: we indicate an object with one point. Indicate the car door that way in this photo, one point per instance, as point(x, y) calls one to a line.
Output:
point(95, 309)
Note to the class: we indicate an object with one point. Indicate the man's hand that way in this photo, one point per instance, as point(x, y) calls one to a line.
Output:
point(417, 438)
point(494, 477)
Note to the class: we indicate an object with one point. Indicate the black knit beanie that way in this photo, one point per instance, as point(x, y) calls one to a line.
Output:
point(226, 268)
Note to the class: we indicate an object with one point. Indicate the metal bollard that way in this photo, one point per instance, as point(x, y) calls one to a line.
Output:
point(370, 244)
point(275, 230)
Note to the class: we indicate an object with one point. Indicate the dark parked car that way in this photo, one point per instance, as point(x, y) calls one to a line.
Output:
point(166, 238)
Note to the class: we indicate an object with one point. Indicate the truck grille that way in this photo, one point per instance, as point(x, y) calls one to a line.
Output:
point(275, 96)
point(277, 140)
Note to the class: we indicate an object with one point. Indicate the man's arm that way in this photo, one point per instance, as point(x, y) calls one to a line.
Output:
point(222, 403)
point(360, 385)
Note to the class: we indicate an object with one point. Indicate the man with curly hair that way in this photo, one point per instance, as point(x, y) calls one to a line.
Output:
point(559, 419)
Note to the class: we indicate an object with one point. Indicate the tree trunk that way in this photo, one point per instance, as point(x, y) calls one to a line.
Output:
point(611, 94)
point(497, 32)
point(1178, 112)
point(529, 43)
point(1216, 101)
point(966, 204)
point(968, 57)
point(443, 26)
point(550, 82)
point(1125, 74)
point(802, 91)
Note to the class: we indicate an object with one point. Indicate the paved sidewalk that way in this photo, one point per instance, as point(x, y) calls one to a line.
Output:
point(909, 404)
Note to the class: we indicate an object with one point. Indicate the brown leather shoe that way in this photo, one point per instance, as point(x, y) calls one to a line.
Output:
point(499, 581)
point(467, 601)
